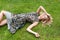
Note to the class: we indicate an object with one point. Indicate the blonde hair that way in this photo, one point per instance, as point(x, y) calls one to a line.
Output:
point(48, 21)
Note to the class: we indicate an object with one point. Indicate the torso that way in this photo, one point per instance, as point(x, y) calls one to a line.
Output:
point(20, 19)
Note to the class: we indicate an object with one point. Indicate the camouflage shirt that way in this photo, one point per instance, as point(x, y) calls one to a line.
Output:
point(19, 20)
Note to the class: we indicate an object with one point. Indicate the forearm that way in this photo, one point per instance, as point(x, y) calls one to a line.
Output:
point(31, 26)
point(41, 9)
point(3, 22)
point(29, 30)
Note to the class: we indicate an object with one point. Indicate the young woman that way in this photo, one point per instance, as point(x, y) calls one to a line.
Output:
point(16, 21)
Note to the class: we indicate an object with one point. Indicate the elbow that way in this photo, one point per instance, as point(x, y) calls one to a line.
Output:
point(2, 11)
point(41, 6)
point(27, 29)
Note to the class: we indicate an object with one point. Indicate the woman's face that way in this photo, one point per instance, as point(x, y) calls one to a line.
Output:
point(43, 16)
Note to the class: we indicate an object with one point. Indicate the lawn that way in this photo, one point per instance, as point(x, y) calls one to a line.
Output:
point(23, 6)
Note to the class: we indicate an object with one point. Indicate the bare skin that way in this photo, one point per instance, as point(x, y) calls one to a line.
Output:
point(2, 22)
point(36, 23)
point(29, 29)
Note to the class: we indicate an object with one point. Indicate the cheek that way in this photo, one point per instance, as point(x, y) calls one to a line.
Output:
point(42, 17)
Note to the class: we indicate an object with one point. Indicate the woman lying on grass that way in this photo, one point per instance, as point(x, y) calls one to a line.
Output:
point(16, 21)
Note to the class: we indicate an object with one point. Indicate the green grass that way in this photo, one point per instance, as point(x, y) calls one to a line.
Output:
point(23, 6)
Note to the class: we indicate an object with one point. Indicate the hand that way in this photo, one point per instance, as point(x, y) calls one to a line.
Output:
point(37, 35)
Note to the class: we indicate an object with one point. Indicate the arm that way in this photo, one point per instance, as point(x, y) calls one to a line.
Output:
point(3, 22)
point(30, 27)
point(3, 12)
point(41, 8)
